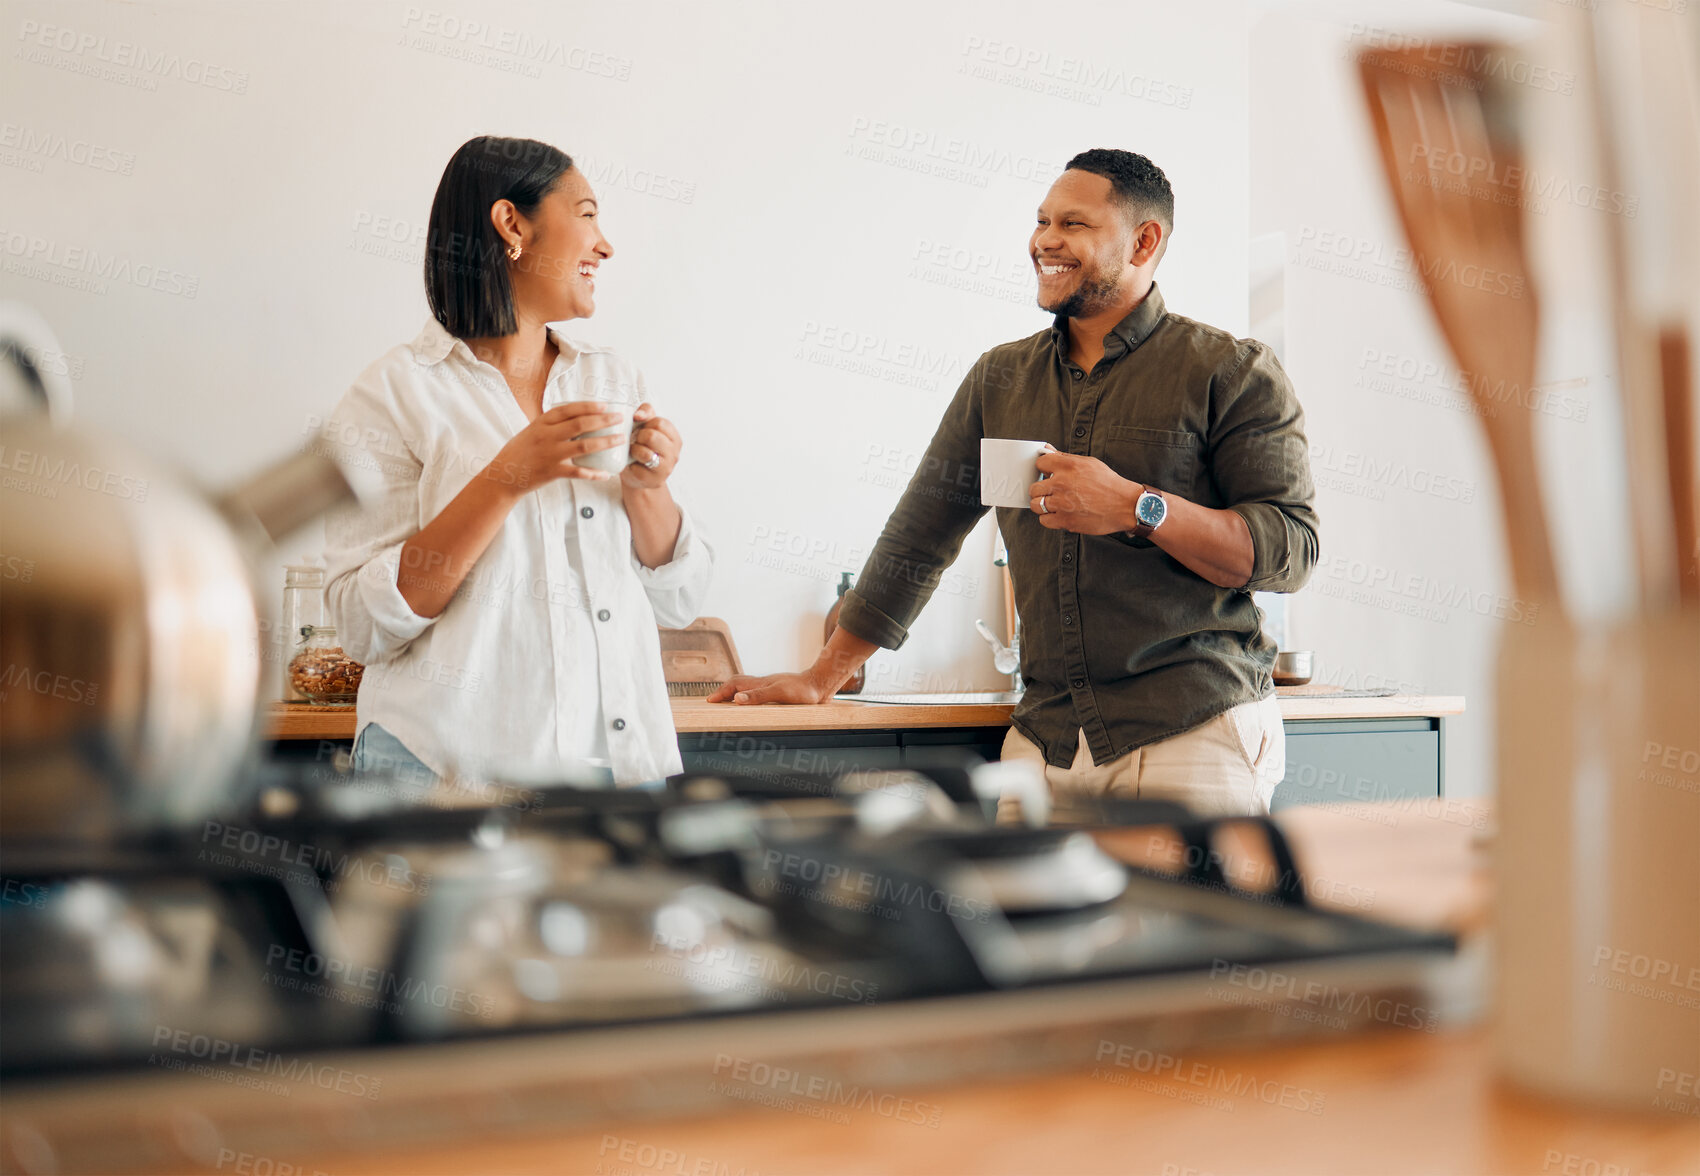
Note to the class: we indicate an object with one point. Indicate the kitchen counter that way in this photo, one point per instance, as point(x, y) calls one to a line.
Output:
point(1396, 1102)
point(1396, 1105)
point(694, 716)
point(1339, 748)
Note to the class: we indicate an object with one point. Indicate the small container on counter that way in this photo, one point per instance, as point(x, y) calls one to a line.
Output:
point(303, 607)
point(320, 672)
point(1293, 667)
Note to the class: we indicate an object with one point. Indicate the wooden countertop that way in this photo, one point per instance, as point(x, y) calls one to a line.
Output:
point(694, 716)
point(1395, 1105)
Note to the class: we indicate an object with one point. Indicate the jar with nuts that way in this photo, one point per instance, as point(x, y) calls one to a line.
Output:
point(322, 671)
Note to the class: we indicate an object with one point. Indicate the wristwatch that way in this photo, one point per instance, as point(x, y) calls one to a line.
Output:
point(1148, 513)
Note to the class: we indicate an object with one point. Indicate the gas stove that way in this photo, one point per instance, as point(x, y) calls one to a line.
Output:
point(333, 916)
point(331, 912)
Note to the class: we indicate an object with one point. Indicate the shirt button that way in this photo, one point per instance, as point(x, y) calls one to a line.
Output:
point(1080, 683)
point(1075, 372)
point(586, 511)
point(603, 614)
point(619, 724)
point(1068, 618)
point(1080, 430)
point(1068, 557)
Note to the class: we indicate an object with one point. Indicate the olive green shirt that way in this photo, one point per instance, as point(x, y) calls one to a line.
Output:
point(1118, 638)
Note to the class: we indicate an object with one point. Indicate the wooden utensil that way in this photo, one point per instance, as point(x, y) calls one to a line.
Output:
point(1647, 131)
point(1676, 369)
point(1448, 140)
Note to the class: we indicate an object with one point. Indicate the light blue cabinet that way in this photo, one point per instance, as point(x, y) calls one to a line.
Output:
point(1328, 760)
point(1367, 760)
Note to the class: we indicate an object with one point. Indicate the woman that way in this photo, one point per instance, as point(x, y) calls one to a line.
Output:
point(503, 598)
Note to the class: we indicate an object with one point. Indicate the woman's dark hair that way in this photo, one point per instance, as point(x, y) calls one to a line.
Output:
point(466, 265)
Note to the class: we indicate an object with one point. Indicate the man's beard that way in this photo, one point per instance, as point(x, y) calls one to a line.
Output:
point(1092, 295)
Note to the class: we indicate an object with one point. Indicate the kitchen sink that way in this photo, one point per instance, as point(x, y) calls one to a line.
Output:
point(972, 698)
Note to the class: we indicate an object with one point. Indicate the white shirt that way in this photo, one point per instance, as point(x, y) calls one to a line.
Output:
point(548, 655)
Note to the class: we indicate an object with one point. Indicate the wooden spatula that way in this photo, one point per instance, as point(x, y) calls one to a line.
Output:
point(1447, 137)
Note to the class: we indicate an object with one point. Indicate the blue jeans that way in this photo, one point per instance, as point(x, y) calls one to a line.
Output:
point(379, 752)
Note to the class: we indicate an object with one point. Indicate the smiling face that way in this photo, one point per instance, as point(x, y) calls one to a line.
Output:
point(560, 247)
point(1083, 249)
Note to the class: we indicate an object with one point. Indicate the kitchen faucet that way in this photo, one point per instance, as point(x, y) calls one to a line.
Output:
point(1006, 658)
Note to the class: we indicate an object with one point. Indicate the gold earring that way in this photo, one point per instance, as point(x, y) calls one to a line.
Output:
point(513, 252)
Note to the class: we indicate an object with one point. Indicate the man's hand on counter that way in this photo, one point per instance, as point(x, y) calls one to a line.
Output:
point(785, 688)
point(843, 655)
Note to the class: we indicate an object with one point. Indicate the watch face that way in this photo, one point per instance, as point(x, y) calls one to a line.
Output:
point(1151, 509)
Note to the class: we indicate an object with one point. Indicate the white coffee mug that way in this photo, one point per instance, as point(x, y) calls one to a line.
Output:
point(615, 458)
point(1007, 469)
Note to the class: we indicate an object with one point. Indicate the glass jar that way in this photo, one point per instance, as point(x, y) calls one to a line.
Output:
point(321, 672)
point(303, 607)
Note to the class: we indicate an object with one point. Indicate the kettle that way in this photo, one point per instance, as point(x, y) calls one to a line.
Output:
point(129, 632)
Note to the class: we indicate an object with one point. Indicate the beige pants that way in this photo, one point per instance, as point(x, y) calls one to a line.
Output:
point(1229, 765)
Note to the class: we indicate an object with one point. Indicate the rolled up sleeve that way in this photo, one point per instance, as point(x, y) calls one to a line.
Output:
point(678, 588)
point(1260, 461)
point(363, 542)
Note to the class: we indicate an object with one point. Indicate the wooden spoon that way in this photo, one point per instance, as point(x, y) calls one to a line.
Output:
point(1448, 141)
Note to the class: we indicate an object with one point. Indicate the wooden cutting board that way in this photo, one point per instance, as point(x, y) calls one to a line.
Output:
point(697, 659)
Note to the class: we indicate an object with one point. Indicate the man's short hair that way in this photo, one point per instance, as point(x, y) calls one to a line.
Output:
point(1138, 185)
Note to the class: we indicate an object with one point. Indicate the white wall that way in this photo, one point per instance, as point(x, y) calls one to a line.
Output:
point(764, 170)
point(1413, 586)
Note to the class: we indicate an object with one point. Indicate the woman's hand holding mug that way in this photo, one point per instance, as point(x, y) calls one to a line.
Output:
point(656, 446)
point(546, 448)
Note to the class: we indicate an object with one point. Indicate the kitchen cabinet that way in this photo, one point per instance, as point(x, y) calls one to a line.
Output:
point(1328, 761)
point(751, 753)
point(1377, 760)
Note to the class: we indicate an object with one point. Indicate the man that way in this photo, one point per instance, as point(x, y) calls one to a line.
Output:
point(1180, 483)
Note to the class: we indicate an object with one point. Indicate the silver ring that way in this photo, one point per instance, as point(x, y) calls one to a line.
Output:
point(1043, 509)
point(654, 460)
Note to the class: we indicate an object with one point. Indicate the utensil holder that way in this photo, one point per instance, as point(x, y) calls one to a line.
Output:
point(1598, 861)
